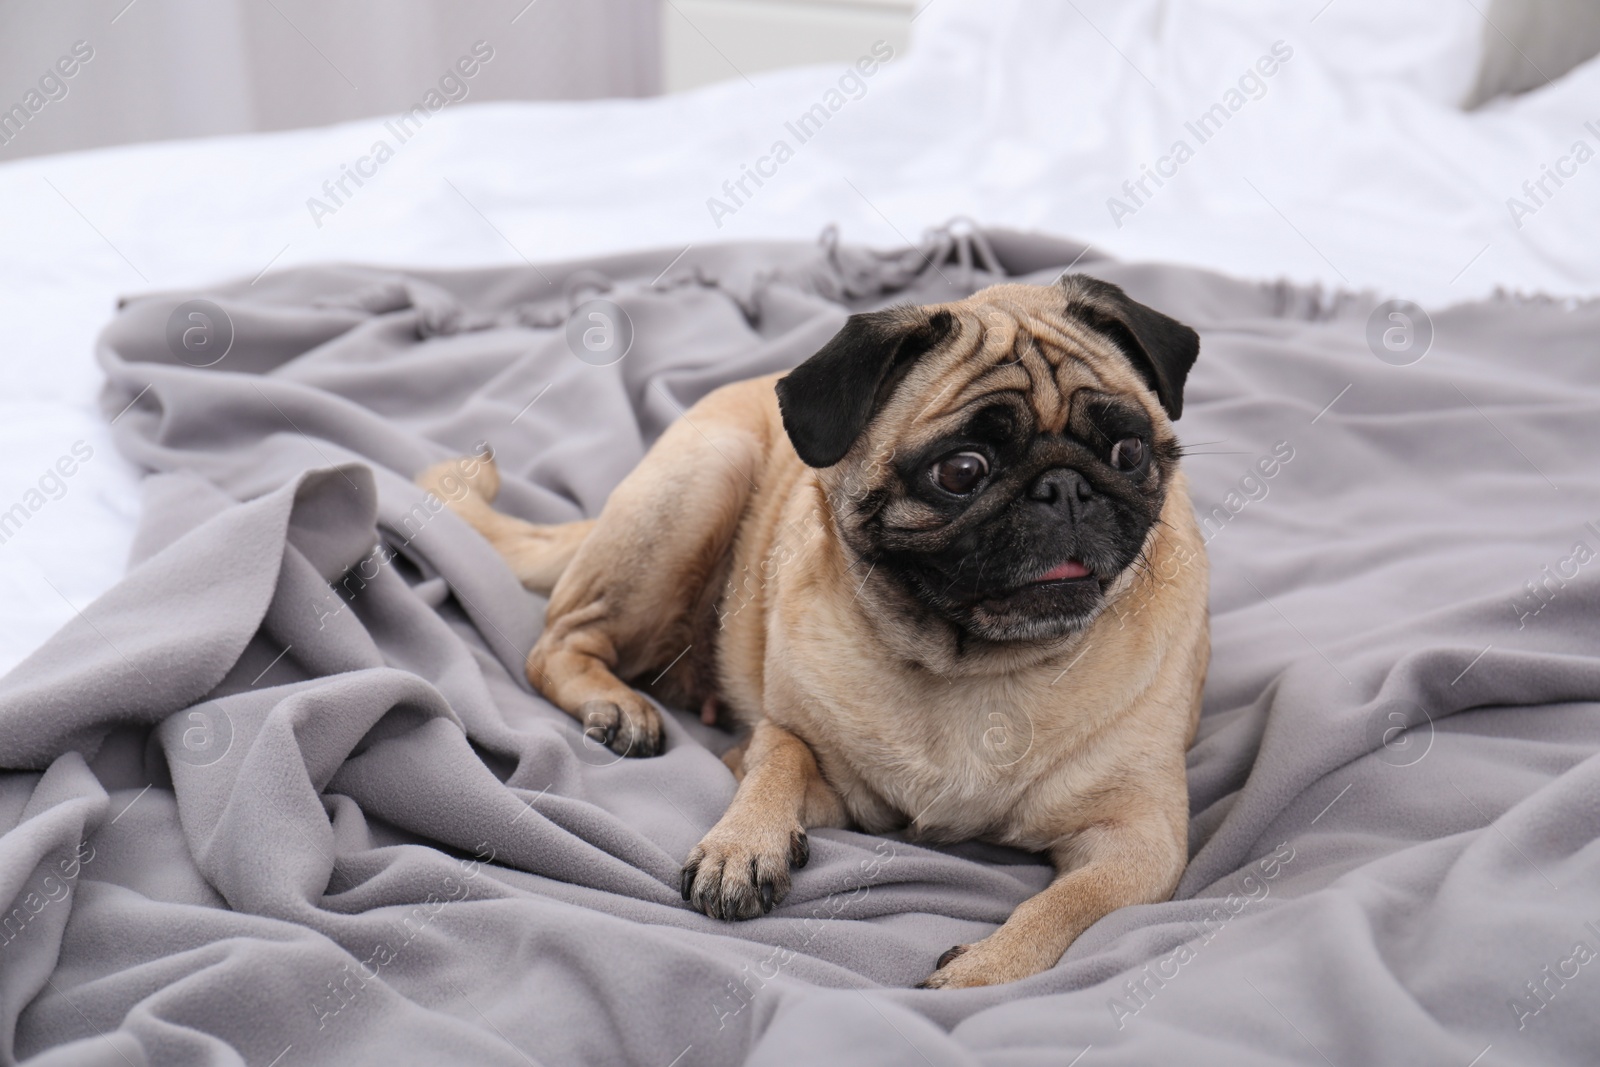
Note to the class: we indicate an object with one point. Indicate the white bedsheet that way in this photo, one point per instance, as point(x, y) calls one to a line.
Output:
point(1348, 166)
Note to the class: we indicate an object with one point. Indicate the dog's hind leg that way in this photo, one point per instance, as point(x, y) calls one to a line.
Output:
point(628, 605)
point(536, 554)
point(627, 590)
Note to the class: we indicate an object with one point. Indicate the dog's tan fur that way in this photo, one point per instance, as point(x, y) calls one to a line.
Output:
point(724, 543)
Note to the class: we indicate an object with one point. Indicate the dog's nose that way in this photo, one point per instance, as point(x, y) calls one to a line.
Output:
point(1062, 489)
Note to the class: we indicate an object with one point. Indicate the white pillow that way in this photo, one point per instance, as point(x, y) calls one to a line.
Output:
point(1434, 46)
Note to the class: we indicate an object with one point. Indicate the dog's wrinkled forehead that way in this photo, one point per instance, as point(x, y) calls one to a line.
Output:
point(1011, 340)
point(1044, 341)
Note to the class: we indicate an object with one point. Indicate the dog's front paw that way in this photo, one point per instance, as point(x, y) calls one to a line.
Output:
point(988, 962)
point(633, 729)
point(739, 872)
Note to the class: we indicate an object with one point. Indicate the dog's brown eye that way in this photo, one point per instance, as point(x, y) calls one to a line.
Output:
point(1127, 454)
point(960, 473)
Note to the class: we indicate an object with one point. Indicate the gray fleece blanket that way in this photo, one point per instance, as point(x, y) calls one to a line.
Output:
point(283, 795)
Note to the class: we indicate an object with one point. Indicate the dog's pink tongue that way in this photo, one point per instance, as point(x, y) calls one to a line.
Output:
point(1070, 569)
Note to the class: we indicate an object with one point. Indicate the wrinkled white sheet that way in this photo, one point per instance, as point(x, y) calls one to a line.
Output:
point(1349, 166)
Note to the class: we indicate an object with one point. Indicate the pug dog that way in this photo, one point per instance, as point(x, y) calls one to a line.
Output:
point(945, 573)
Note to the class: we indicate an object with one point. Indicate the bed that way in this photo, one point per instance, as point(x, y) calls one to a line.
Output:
point(1392, 791)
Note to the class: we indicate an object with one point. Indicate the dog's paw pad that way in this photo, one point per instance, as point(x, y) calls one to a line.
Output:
point(735, 874)
point(1003, 956)
point(627, 731)
point(942, 978)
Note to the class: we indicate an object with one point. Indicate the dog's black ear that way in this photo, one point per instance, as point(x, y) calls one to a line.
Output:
point(1161, 349)
point(828, 400)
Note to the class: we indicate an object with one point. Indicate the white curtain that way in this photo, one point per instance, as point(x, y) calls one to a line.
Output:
point(110, 71)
